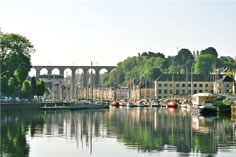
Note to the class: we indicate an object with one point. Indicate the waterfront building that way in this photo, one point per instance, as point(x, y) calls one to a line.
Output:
point(170, 85)
point(122, 93)
point(144, 90)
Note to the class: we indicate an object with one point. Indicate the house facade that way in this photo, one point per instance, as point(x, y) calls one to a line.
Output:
point(171, 85)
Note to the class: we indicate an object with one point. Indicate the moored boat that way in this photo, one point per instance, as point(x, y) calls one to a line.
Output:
point(172, 104)
point(203, 102)
point(115, 103)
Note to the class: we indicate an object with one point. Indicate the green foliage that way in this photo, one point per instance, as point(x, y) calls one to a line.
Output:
point(33, 86)
point(15, 57)
point(204, 63)
point(152, 54)
point(40, 88)
point(183, 60)
point(211, 51)
point(26, 89)
point(150, 65)
point(4, 84)
point(11, 86)
point(20, 74)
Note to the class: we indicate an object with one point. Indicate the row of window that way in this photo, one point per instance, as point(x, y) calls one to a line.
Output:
point(183, 85)
point(177, 92)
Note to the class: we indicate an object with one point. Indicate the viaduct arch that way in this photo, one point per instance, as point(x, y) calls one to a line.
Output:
point(73, 70)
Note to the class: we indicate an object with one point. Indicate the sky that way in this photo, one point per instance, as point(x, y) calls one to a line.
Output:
point(76, 32)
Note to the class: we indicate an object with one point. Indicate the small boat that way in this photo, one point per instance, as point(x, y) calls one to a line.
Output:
point(172, 104)
point(186, 104)
point(115, 103)
point(130, 104)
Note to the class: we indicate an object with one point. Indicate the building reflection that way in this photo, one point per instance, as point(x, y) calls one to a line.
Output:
point(143, 129)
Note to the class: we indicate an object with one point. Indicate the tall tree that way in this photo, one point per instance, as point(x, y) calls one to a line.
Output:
point(26, 89)
point(184, 60)
point(210, 50)
point(204, 63)
point(33, 86)
point(40, 88)
point(15, 57)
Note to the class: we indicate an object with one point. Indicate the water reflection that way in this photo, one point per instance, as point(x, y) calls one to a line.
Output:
point(143, 130)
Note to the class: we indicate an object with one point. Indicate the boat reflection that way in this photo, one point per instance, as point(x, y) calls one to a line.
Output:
point(141, 129)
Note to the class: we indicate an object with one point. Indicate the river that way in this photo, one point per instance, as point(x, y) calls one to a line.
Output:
point(116, 132)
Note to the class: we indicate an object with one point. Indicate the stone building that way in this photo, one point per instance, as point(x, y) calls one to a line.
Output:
point(170, 85)
point(144, 90)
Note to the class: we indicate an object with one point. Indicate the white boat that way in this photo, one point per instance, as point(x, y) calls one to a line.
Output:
point(204, 102)
point(130, 104)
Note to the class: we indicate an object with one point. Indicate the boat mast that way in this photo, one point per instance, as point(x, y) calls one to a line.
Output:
point(92, 81)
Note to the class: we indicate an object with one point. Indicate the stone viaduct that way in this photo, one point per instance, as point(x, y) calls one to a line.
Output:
point(73, 69)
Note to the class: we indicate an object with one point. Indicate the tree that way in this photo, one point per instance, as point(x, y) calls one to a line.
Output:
point(15, 57)
point(40, 88)
point(204, 63)
point(152, 54)
point(210, 50)
point(184, 60)
point(11, 86)
point(153, 73)
point(4, 84)
point(26, 89)
point(33, 86)
point(21, 74)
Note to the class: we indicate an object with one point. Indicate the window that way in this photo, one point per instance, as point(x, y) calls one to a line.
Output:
point(159, 85)
point(195, 91)
point(200, 91)
point(189, 91)
point(211, 91)
point(183, 91)
point(159, 97)
point(206, 85)
point(171, 92)
point(227, 85)
point(183, 85)
point(165, 85)
point(165, 91)
point(177, 85)
point(200, 85)
point(189, 85)
point(195, 85)
point(170, 85)
point(177, 92)
point(159, 91)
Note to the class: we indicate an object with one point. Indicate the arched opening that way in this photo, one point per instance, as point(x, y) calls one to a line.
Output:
point(79, 76)
point(56, 71)
point(91, 77)
point(67, 73)
point(103, 77)
point(43, 71)
point(32, 72)
point(79, 83)
point(67, 89)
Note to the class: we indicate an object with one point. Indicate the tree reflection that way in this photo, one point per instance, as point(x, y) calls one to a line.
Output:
point(14, 127)
point(144, 129)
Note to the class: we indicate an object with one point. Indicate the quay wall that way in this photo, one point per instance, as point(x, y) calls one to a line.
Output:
point(8, 107)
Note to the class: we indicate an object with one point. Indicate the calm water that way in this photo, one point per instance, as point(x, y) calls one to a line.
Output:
point(117, 132)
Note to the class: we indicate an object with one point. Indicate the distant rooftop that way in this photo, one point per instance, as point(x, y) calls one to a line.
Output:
point(193, 77)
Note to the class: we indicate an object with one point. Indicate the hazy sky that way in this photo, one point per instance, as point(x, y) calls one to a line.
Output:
point(76, 32)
